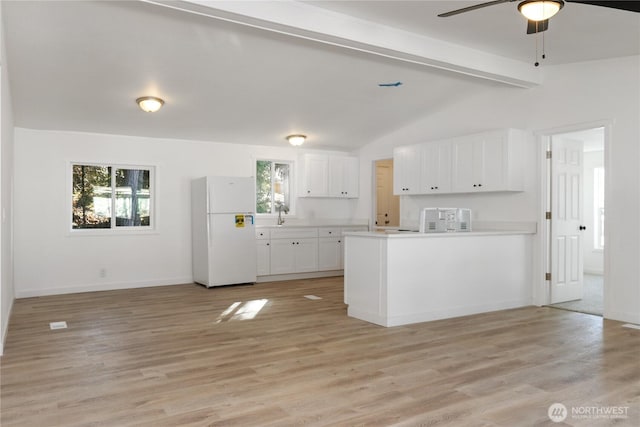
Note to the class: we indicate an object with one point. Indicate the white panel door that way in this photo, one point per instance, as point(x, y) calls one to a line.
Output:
point(566, 220)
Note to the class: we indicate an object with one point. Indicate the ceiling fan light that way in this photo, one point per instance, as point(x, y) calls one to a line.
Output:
point(539, 10)
point(296, 140)
point(149, 104)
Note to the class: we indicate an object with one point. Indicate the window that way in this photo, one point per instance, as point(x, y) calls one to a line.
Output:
point(99, 191)
point(273, 188)
point(598, 206)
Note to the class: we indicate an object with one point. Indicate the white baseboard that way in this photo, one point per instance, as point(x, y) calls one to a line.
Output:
point(428, 316)
point(112, 286)
point(297, 276)
point(622, 316)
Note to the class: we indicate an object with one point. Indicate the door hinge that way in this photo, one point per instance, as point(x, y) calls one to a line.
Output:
point(547, 215)
point(547, 276)
point(549, 154)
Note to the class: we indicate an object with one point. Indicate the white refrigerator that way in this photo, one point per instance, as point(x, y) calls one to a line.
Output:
point(222, 228)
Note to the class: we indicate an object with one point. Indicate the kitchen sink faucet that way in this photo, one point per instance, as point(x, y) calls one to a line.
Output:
point(281, 207)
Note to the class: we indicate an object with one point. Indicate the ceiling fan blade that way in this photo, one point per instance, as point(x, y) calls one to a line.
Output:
point(470, 8)
point(537, 26)
point(631, 6)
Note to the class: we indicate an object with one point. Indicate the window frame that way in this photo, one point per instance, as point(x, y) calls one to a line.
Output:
point(292, 198)
point(114, 229)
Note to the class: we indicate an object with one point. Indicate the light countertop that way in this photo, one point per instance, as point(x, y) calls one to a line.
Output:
point(415, 235)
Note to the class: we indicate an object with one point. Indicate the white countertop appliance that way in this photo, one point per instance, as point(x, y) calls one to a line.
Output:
point(222, 228)
point(441, 220)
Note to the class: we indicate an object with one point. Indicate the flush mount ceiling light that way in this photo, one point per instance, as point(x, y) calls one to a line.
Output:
point(538, 10)
point(296, 140)
point(149, 104)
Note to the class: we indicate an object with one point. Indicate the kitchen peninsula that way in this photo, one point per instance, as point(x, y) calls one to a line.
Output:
point(400, 278)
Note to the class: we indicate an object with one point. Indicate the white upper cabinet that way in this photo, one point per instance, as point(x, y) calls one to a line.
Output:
point(343, 176)
point(315, 176)
point(406, 170)
point(490, 161)
point(435, 167)
point(329, 176)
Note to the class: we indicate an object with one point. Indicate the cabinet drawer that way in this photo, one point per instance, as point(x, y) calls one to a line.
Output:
point(329, 232)
point(293, 233)
point(262, 233)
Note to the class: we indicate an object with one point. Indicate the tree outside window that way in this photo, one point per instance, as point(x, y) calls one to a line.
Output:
point(273, 189)
point(99, 191)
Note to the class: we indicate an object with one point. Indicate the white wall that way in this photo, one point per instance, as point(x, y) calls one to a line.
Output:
point(6, 195)
point(593, 258)
point(49, 260)
point(571, 95)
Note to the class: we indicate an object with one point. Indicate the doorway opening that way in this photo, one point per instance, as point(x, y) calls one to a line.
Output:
point(387, 205)
point(576, 229)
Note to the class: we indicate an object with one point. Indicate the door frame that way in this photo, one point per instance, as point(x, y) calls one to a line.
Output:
point(542, 288)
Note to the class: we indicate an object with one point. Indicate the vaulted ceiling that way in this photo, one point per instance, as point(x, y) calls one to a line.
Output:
point(253, 72)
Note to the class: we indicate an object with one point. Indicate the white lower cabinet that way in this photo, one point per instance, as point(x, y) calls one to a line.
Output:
point(294, 255)
point(301, 249)
point(263, 250)
point(330, 253)
point(294, 250)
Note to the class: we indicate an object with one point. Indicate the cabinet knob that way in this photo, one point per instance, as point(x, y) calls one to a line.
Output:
point(479, 185)
point(308, 191)
point(267, 244)
point(436, 188)
point(582, 227)
point(474, 185)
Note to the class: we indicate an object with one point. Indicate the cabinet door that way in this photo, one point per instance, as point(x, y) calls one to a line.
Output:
point(283, 259)
point(264, 257)
point(494, 162)
point(343, 176)
point(315, 176)
point(480, 162)
point(436, 167)
point(306, 255)
point(330, 253)
point(406, 170)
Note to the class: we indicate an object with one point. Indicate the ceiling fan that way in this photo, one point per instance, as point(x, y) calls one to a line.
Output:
point(538, 12)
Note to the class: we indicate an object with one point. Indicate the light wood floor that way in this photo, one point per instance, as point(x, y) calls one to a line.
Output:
point(174, 356)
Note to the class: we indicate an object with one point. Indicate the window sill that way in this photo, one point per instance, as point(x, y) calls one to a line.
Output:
point(110, 232)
